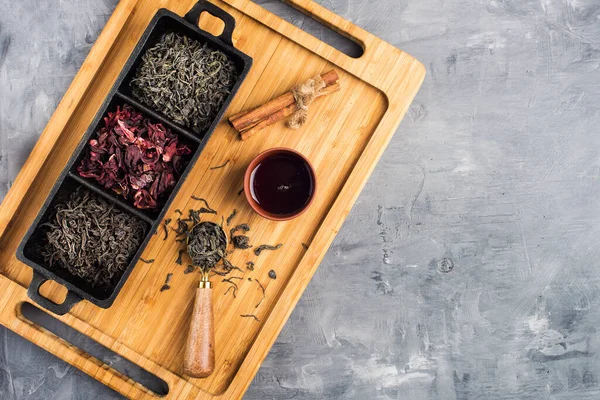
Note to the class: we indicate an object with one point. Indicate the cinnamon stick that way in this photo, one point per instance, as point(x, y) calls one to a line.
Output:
point(244, 120)
point(283, 113)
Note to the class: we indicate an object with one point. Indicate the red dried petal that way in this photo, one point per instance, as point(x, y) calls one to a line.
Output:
point(134, 157)
point(143, 200)
point(141, 181)
point(170, 151)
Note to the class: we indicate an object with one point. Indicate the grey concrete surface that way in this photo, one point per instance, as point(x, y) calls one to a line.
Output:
point(494, 172)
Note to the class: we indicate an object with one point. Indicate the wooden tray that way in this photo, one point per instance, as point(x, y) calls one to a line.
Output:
point(344, 139)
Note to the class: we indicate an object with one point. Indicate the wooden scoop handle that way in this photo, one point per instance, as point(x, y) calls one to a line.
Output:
point(199, 359)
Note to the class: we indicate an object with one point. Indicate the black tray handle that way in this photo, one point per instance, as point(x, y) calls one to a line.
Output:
point(193, 17)
point(59, 309)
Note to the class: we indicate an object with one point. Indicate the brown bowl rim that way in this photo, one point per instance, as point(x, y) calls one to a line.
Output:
point(255, 206)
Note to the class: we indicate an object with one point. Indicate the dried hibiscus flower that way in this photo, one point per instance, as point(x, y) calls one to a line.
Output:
point(135, 158)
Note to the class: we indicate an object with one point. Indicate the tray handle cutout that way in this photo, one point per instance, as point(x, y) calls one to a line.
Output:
point(320, 23)
point(193, 17)
point(124, 371)
point(59, 309)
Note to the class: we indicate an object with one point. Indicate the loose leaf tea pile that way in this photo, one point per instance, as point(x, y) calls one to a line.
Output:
point(207, 245)
point(135, 158)
point(185, 80)
point(92, 239)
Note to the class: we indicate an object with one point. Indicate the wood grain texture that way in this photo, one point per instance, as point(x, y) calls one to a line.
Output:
point(199, 358)
point(344, 139)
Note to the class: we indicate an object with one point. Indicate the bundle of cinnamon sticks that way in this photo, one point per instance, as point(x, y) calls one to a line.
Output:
point(248, 123)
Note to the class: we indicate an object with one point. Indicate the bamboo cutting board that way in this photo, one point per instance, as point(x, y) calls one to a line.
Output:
point(344, 139)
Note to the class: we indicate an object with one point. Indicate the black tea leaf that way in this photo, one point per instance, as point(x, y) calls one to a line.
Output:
point(264, 247)
point(241, 242)
point(231, 217)
point(179, 257)
point(91, 238)
point(242, 227)
point(263, 293)
point(220, 166)
point(166, 286)
point(166, 227)
point(189, 269)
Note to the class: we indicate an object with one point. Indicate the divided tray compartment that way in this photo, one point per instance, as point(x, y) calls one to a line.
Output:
point(184, 137)
point(166, 21)
point(78, 289)
point(120, 94)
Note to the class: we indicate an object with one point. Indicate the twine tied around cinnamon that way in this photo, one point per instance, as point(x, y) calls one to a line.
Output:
point(304, 95)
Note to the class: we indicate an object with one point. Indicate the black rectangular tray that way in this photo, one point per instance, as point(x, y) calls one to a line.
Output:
point(69, 180)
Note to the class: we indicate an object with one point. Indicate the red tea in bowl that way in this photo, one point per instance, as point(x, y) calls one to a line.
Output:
point(281, 184)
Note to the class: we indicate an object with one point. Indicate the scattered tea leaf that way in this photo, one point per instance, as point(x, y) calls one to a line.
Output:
point(208, 208)
point(272, 274)
point(220, 166)
point(231, 217)
point(146, 261)
point(179, 257)
point(233, 284)
point(190, 268)
point(195, 216)
point(229, 266)
point(166, 227)
point(264, 247)
point(166, 286)
point(178, 211)
point(182, 228)
point(263, 293)
point(250, 316)
point(203, 210)
point(231, 288)
point(250, 265)
point(241, 242)
point(241, 227)
point(241, 191)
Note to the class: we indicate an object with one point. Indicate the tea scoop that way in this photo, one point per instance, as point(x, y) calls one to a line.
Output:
point(206, 246)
